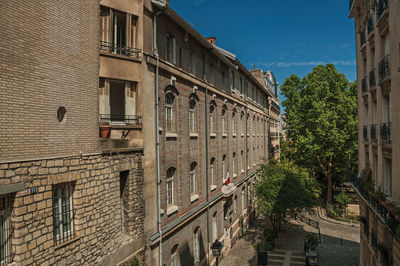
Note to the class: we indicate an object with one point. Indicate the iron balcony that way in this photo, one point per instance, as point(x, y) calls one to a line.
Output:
point(381, 6)
point(372, 80)
point(365, 133)
point(120, 119)
point(362, 38)
point(120, 50)
point(384, 69)
point(364, 85)
point(371, 25)
point(386, 132)
point(374, 133)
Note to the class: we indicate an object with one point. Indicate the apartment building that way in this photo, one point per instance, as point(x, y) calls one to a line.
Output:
point(205, 134)
point(65, 196)
point(378, 64)
point(268, 80)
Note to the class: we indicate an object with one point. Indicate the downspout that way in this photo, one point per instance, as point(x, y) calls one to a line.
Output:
point(247, 160)
point(207, 185)
point(155, 51)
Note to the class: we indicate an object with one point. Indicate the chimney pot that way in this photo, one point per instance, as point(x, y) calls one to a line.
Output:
point(211, 40)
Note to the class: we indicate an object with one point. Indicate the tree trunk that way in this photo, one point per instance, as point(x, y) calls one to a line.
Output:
point(329, 187)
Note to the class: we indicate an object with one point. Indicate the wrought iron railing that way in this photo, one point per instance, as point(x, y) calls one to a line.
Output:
point(374, 133)
point(371, 25)
point(120, 49)
point(372, 79)
point(364, 85)
point(377, 203)
point(63, 227)
point(362, 38)
point(365, 133)
point(121, 119)
point(274, 104)
point(384, 69)
point(381, 6)
point(386, 132)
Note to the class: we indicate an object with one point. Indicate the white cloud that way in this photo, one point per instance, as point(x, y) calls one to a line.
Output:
point(284, 64)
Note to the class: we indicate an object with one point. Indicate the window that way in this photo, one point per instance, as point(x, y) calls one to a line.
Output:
point(234, 122)
point(212, 174)
point(191, 62)
point(214, 227)
point(169, 112)
point(212, 119)
point(386, 112)
point(5, 232)
point(196, 245)
point(388, 176)
point(224, 122)
point(174, 256)
point(242, 161)
point(170, 49)
point(243, 198)
point(235, 204)
point(193, 178)
point(233, 164)
point(119, 32)
point(192, 117)
point(375, 170)
point(170, 186)
point(63, 214)
point(223, 168)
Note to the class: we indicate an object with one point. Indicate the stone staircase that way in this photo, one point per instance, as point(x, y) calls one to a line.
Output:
point(286, 258)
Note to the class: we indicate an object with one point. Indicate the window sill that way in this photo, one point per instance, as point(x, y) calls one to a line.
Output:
point(161, 212)
point(213, 135)
point(242, 172)
point(170, 135)
point(254, 135)
point(254, 164)
point(234, 176)
point(248, 135)
point(213, 187)
point(194, 135)
point(193, 198)
point(160, 129)
point(172, 209)
point(66, 243)
point(248, 167)
point(234, 135)
point(242, 135)
point(224, 135)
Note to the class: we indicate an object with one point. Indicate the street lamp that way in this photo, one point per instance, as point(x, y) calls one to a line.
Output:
point(216, 249)
point(258, 239)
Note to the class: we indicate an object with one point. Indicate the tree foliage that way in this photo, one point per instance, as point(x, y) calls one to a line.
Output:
point(285, 189)
point(321, 114)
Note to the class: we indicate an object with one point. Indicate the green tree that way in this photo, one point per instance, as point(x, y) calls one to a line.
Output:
point(321, 113)
point(285, 189)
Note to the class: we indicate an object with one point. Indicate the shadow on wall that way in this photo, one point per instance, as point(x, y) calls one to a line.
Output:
point(185, 253)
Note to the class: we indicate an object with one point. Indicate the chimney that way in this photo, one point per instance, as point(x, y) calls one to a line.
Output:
point(211, 40)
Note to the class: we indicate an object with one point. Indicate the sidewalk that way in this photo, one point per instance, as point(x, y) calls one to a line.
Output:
point(323, 215)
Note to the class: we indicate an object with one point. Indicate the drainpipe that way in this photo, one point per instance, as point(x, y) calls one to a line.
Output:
point(155, 52)
point(247, 161)
point(207, 184)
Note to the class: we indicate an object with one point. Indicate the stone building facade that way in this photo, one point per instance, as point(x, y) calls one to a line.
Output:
point(378, 61)
point(66, 196)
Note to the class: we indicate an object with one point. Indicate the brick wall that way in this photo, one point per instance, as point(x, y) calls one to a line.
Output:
point(107, 228)
point(49, 58)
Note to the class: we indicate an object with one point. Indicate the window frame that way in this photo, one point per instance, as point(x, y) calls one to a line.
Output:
point(170, 193)
point(59, 203)
point(170, 125)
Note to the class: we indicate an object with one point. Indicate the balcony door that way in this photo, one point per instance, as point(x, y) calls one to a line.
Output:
point(119, 32)
point(117, 101)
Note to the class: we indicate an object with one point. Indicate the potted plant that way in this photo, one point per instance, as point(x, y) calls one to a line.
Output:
point(105, 131)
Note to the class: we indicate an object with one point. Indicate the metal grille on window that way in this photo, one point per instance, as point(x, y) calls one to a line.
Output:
point(63, 213)
point(5, 231)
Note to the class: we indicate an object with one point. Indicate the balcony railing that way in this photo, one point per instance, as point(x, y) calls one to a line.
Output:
point(365, 133)
point(384, 69)
point(364, 85)
point(372, 79)
point(362, 38)
point(120, 50)
point(371, 25)
point(374, 133)
point(386, 132)
point(274, 104)
point(383, 209)
point(121, 119)
point(381, 6)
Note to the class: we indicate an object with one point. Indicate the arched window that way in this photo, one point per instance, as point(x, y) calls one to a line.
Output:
point(224, 120)
point(192, 117)
point(223, 168)
point(212, 119)
point(212, 171)
point(170, 186)
point(196, 245)
point(192, 177)
point(234, 122)
point(242, 161)
point(214, 227)
point(233, 165)
point(174, 256)
point(170, 113)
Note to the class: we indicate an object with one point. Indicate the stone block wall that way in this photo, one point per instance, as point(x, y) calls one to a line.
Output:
point(104, 232)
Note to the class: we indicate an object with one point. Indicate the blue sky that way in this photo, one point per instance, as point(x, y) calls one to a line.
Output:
point(284, 36)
